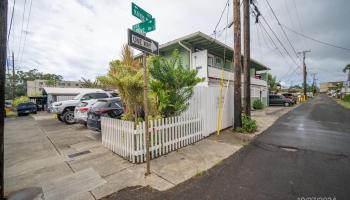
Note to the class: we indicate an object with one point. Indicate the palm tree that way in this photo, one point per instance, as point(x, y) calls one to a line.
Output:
point(87, 83)
point(347, 67)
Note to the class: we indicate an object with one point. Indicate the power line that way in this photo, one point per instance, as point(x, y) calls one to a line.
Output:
point(222, 13)
point(299, 21)
point(279, 41)
point(8, 35)
point(20, 40)
point(26, 33)
point(274, 14)
point(316, 40)
point(13, 11)
point(272, 41)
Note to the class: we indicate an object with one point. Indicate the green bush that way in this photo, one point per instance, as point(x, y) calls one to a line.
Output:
point(258, 105)
point(346, 98)
point(18, 100)
point(248, 125)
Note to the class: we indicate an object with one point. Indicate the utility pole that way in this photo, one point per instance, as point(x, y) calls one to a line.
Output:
point(13, 77)
point(313, 83)
point(237, 64)
point(246, 58)
point(304, 70)
point(3, 58)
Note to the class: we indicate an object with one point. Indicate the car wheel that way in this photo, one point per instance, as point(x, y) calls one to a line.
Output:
point(68, 117)
point(59, 117)
point(286, 104)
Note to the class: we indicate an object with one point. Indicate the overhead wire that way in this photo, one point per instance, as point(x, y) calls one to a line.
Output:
point(8, 36)
point(26, 32)
point(222, 13)
point(279, 23)
point(272, 41)
point(298, 19)
point(20, 40)
point(316, 40)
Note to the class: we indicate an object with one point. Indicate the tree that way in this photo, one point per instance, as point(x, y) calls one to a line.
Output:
point(272, 83)
point(347, 68)
point(127, 76)
point(87, 83)
point(173, 83)
point(22, 77)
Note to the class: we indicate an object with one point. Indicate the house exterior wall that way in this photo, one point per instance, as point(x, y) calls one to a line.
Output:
point(35, 88)
point(208, 68)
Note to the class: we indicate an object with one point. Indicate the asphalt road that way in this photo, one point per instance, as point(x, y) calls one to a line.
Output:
point(306, 153)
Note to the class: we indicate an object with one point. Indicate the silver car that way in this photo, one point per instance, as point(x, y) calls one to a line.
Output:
point(81, 110)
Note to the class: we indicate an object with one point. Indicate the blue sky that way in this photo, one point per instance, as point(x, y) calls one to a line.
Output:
point(78, 38)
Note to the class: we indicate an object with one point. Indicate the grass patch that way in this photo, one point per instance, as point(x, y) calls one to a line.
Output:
point(248, 125)
point(344, 103)
point(11, 114)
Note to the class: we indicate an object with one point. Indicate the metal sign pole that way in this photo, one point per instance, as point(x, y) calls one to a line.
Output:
point(137, 39)
point(145, 105)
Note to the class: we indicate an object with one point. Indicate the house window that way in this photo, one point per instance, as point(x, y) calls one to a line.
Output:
point(218, 62)
point(210, 61)
point(41, 83)
point(76, 84)
point(68, 84)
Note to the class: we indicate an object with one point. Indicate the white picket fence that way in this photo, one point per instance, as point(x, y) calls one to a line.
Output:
point(205, 102)
point(166, 135)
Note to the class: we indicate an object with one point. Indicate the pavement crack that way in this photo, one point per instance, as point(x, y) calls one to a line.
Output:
point(163, 178)
point(265, 146)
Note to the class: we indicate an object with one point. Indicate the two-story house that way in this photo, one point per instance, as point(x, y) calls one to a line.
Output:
point(206, 54)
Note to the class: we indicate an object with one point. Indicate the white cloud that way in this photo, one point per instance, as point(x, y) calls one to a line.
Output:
point(78, 38)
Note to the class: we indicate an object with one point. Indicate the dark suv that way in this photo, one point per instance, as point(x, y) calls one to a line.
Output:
point(111, 107)
point(291, 97)
point(26, 108)
point(279, 100)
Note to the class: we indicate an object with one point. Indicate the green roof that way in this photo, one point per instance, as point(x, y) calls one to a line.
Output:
point(201, 41)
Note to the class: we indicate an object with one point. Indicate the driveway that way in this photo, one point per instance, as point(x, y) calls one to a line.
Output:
point(66, 161)
point(304, 154)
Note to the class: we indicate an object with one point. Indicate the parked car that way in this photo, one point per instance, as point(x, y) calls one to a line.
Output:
point(65, 109)
point(82, 109)
point(112, 107)
point(290, 96)
point(276, 99)
point(26, 108)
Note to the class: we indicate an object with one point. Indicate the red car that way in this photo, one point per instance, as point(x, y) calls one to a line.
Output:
point(291, 97)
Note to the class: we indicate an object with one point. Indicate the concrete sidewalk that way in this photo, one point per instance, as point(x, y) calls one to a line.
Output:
point(69, 161)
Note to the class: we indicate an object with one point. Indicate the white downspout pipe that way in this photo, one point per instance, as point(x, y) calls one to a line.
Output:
point(189, 50)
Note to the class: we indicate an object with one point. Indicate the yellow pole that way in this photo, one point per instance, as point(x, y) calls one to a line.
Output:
point(220, 102)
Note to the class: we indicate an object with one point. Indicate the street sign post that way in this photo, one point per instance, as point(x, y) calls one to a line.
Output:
point(140, 13)
point(142, 43)
point(145, 27)
point(138, 40)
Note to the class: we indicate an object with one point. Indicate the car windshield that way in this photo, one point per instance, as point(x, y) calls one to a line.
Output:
point(101, 104)
point(114, 94)
point(77, 97)
point(26, 104)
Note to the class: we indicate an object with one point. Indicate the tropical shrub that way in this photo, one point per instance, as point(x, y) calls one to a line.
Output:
point(127, 76)
point(258, 104)
point(347, 98)
point(21, 99)
point(172, 83)
point(248, 125)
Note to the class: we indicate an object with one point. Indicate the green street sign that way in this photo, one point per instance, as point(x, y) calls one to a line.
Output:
point(140, 13)
point(145, 27)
